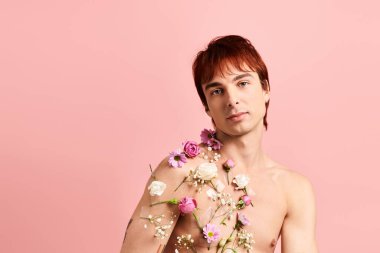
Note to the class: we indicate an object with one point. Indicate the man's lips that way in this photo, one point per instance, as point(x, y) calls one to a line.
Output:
point(236, 114)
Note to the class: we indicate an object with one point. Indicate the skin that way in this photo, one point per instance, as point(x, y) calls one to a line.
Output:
point(284, 200)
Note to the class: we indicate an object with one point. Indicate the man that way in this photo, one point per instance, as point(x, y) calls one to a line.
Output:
point(225, 194)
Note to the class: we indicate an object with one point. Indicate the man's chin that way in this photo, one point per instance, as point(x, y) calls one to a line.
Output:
point(234, 131)
point(244, 128)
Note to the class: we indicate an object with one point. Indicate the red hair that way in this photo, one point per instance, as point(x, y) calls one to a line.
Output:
point(224, 50)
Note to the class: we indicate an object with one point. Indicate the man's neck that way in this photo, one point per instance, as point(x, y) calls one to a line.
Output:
point(245, 150)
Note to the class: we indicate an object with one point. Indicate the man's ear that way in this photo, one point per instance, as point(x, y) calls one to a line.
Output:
point(266, 96)
point(266, 91)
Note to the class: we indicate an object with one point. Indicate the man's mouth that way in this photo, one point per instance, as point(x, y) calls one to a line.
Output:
point(236, 115)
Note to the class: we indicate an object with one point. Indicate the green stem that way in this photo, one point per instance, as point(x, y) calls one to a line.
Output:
point(152, 219)
point(213, 186)
point(170, 201)
point(216, 210)
point(151, 172)
point(197, 220)
point(228, 239)
point(233, 244)
point(223, 219)
point(161, 202)
point(180, 183)
point(227, 212)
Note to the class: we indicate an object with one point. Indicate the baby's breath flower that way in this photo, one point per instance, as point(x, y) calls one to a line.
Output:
point(185, 242)
point(160, 229)
point(245, 239)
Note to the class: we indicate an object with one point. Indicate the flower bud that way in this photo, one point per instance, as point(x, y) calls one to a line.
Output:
point(228, 165)
point(240, 204)
point(173, 201)
point(222, 242)
point(246, 199)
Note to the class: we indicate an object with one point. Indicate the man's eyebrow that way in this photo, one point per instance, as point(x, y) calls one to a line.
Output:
point(213, 84)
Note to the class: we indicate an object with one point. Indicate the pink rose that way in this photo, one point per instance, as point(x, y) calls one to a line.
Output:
point(191, 149)
point(187, 205)
point(246, 199)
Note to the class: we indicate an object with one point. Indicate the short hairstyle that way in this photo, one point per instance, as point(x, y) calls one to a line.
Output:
point(224, 50)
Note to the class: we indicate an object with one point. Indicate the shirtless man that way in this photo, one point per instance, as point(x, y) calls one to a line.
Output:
point(241, 205)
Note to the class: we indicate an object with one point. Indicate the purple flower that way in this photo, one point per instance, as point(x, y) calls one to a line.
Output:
point(242, 220)
point(191, 149)
point(177, 158)
point(211, 232)
point(187, 205)
point(208, 137)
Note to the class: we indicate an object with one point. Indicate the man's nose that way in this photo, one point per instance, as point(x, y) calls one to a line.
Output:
point(232, 97)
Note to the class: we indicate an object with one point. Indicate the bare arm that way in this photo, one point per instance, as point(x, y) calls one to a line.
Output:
point(298, 230)
point(140, 232)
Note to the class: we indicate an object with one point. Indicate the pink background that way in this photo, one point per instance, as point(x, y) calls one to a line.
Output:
point(91, 92)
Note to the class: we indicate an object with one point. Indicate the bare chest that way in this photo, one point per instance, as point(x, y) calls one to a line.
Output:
point(265, 216)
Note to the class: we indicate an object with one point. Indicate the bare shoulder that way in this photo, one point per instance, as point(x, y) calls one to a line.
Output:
point(300, 219)
point(289, 178)
point(164, 171)
point(298, 188)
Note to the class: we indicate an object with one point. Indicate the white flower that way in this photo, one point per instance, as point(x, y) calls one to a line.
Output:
point(212, 194)
point(206, 171)
point(219, 186)
point(228, 251)
point(156, 188)
point(241, 181)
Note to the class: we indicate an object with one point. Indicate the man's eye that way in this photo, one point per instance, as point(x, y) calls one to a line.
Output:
point(246, 83)
point(215, 92)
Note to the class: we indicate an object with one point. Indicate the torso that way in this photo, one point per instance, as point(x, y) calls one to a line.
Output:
point(266, 216)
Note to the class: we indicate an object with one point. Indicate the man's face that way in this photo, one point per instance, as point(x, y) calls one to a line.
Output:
point(236, 92)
